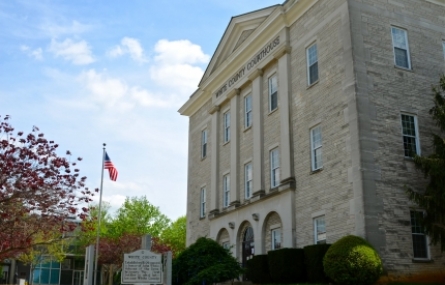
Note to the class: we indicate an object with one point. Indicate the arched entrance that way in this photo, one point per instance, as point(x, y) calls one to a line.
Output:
point(248, 245)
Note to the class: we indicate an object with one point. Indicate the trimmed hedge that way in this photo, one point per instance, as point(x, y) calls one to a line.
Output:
point(287, 265)
point(313, 259)
point(257, 269)
point(352, 261)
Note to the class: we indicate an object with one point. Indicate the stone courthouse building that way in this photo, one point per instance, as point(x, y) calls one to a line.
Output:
point(303, 126)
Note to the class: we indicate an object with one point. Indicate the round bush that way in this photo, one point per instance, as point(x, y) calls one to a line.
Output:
point(352, 261)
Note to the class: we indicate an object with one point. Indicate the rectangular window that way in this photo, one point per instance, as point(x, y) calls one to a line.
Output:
point(47, 273)
point(420, 243)
point(400, 47)
point(316, 148)
point(203, 203)
point(410, 135)
point(203, 143)
point(274, 168)
point(248, 180)
point(276, 239)
point(319, 230)
point(226, 190)
point(312, 64)
point(248, 111)
point(273, 93)
point(226, 120)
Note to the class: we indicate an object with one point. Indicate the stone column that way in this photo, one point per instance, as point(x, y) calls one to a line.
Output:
point(257, 132)
point(284, 100)
point(214, 209)
point(234, 148)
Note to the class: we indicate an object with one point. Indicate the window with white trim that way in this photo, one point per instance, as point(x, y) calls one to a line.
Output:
point(312, 64)
point(226, 127)
point(276, 238)
point(400, 48)
point(316, 149)
point(226, 190)
point(410, 135)
point(420, 240)
point(248, 180)
point(319, 230)
point(204, 143)
point(248, 111)
point(202, 211)
point(273, 93)
point(274, 168)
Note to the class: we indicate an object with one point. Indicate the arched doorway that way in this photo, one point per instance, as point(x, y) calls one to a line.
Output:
point(248, 250)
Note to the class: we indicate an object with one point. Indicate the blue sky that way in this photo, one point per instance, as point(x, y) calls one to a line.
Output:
point(116, 72)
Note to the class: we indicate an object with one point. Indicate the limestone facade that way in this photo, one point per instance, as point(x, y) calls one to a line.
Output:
point(324, 156)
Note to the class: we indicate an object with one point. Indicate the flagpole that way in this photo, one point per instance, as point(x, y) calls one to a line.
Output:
point(96, 256)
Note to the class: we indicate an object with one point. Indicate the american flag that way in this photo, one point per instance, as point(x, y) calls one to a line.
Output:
point(111, 169)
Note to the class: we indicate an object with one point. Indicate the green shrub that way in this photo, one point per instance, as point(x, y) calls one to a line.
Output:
point(257, 269)
point(205, 261)
point(287, 265)
point(313, 259)
point(352, 261)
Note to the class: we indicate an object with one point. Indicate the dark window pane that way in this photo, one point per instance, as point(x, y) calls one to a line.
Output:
point(313, 73)
point(401, 57)
point(409, 144)
point(273, 101)
point(419, 246)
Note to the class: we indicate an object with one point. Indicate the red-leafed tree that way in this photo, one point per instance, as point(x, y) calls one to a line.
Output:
point(39, 190)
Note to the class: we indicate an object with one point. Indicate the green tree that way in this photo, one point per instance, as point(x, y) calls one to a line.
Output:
point(174, 235)
point(137, 216)
point(432, 199)
point(205, 262)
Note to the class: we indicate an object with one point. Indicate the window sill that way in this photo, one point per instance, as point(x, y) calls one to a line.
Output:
point(310, 85)
point(273, 111)
point(316, 171)
point(203, 158)
point(404, 68)
point(248, 128)
point(202, 218)
point(422, 260)
point(227, 142)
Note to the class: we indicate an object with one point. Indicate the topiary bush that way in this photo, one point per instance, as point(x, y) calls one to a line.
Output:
point(204, 262)
point(286, 265)
point(352, 261)
point(313, 259)
point(257, 269)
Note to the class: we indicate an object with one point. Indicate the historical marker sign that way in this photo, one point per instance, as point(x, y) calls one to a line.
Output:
point(142, 266)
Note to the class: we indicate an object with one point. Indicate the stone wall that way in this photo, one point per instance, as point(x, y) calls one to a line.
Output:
point(384, 91)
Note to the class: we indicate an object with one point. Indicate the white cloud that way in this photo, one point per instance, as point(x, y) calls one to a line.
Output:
point(129, 46)
point(78, 53)
point(36, 53)
point(176, 65)
point(56, 30)
point(114, 93)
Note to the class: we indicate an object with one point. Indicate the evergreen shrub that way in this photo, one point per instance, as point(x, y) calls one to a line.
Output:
point(286, 265)
point(257, 269)
point(352, 261)
point(204, 262)
point(313, 259)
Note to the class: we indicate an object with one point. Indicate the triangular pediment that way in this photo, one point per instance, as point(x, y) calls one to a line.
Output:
point(240, 28)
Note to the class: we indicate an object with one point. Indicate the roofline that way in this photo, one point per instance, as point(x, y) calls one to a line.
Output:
point(224, 33)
